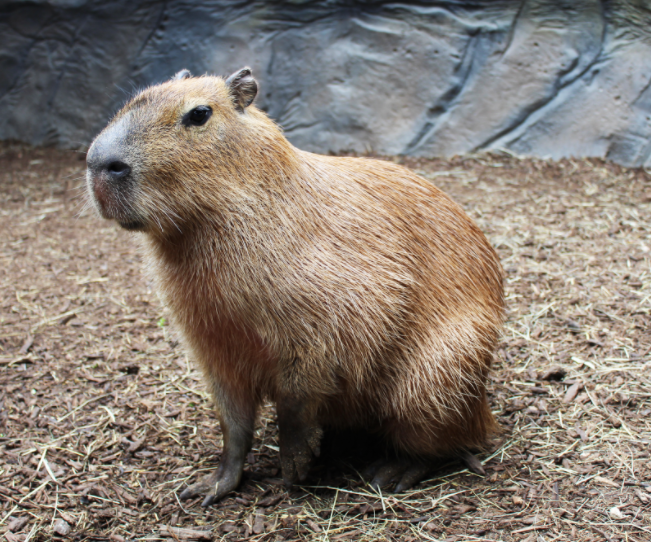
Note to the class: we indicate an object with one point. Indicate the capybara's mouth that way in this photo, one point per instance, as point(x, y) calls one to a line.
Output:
point(111, 202)
point(101, 194)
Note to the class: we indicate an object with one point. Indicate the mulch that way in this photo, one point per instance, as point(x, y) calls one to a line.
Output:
point(103, 418)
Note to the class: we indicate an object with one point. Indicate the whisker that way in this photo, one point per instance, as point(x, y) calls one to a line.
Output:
point(85, 206)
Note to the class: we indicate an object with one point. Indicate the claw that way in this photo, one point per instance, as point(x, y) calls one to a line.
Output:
point(369, 472)
point(473, 463)
point(213, 486)
point(186, 494)
point(208, 501)
point(414, 474)
point(204, 485)
point(404, 474)
point(387, 473)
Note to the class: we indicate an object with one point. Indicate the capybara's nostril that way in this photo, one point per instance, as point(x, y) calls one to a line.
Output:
point(118, 170)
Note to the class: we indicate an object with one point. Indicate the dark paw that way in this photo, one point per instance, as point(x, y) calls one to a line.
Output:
point(297, 450)
point(213, 487)
point(403, 474)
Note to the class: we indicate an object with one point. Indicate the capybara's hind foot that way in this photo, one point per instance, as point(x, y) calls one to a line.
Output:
point(404, 473)
point(300, 438)
point(214, 486)
point(472, 462)
point(298, 447)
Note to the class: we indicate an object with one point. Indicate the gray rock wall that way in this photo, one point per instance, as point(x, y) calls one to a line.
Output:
point(538, 77)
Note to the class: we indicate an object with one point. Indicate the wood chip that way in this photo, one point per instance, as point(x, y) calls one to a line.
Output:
point(616, 513)
point(347, 535)
point(313, 526)
point(137, 444)
point(271, 500)
point(464, 508)
point(17, 524)
point(370, 508)
point(571, 392)
point(179, 533)
point(128, 497)
point(555, 373)
point(606, 481)
point(532, 528)
point(61, 527)
point(258, 524)
point(643, 498)
point(26, 345)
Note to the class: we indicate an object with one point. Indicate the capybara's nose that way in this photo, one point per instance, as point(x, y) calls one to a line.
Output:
point(107, 158)
point(118, 170)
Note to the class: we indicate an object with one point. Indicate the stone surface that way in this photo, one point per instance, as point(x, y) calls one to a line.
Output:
point(540, 77)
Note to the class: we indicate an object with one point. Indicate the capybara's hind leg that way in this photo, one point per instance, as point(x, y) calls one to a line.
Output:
point(300, 438)
point(238, 434)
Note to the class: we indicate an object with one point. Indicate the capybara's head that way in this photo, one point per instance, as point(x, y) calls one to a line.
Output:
point(184, 149)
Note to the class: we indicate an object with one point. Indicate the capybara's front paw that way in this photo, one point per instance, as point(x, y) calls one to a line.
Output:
point(298, 446)
point(214, 486)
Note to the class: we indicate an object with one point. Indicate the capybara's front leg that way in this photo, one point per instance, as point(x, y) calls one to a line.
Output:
point(300, 438)
point(238, 434)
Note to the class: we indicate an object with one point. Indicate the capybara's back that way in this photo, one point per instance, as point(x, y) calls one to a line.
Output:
point(410, 302)
point(350, 291)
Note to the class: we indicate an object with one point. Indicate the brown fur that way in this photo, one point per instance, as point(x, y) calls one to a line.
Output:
point(350, 284)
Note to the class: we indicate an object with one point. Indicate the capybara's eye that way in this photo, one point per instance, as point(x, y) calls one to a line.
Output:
point(198, 116)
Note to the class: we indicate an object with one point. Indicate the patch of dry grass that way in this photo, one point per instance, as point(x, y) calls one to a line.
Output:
point(102, 418)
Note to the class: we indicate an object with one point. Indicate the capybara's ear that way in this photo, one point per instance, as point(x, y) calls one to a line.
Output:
point(183, 74)
point(243, 88)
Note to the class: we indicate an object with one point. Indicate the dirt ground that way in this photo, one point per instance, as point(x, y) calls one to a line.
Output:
point(103, 419)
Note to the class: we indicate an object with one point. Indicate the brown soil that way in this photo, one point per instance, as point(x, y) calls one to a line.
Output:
point(103, 419)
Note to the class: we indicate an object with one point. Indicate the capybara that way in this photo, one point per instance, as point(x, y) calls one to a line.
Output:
point(349, 291)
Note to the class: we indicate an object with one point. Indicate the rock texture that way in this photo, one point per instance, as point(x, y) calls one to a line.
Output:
point(540, 77)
